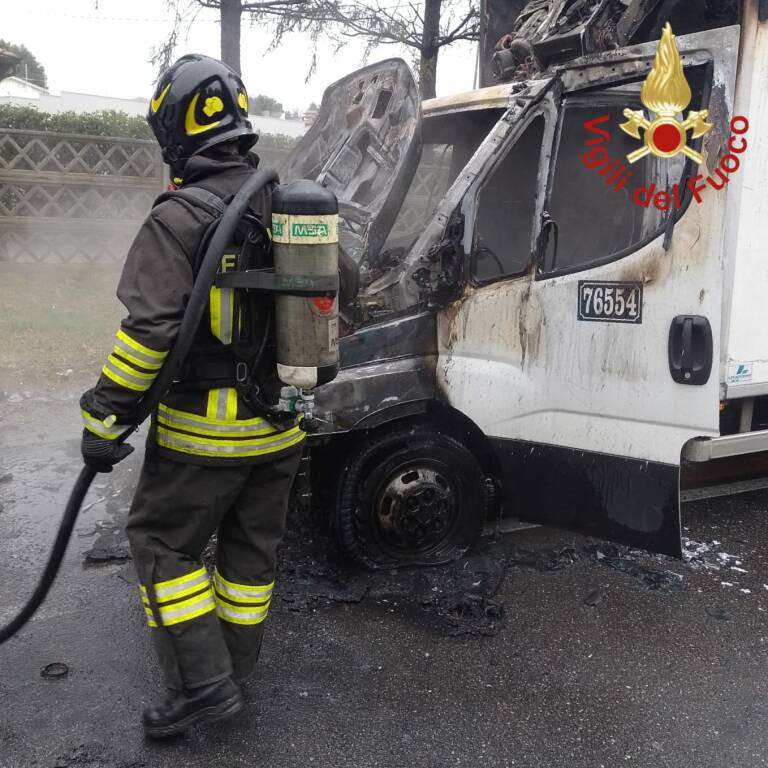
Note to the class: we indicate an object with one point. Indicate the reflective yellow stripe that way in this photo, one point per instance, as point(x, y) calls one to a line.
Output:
point(225, 442)
point(241, 602)
point(213, 427)
point(147, 610)
point(122, 381)
point(187, 609)
point(213, 403)
point(231, 405)
point(236, 591)
point(166, 594)
point(222, 405)
point(145, 604)
point(234, 615)
point(218, 431)
point(205, 421)
point(109, 431)
point(221, 302)
point(150, 617)
point(124, 351)
point(186, 579)
point(215, 308)
point(130, 370)
point(153, 354)
point(200, 446)
point(175, 589)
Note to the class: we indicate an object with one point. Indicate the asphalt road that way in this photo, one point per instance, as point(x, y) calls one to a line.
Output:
point(542, 649)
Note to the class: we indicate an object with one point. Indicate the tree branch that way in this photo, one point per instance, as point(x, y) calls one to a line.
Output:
point(460, 33)
point(378, 22)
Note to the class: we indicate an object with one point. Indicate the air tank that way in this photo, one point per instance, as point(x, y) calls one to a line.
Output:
point(305, 238)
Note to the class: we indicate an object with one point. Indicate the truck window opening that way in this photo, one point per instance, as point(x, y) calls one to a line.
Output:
point(449, 141)
point(506, 209)
point(595, 221)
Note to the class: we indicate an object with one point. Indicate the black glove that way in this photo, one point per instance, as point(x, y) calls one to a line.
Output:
point(101, 454)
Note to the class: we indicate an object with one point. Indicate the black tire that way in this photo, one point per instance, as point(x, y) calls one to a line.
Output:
point(412, 496)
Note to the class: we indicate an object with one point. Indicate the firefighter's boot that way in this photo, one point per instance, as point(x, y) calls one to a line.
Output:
point(181, 710)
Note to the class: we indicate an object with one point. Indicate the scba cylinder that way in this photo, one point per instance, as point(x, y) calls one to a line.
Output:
point(305, 237)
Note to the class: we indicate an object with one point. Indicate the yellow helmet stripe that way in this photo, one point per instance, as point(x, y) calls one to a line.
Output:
point(191, 126)
point(155, 103)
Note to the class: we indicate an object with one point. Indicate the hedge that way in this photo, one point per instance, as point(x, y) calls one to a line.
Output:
point(103, 123)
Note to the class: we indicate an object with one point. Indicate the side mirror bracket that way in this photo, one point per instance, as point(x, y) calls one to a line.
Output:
point(548, 227)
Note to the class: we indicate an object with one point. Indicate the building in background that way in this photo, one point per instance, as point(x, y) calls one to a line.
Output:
point(8, 62)
point(293, 128)
point(310, 115)
point(15, 90)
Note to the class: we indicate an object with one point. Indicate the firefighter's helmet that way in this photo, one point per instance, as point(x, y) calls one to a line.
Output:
point(199, 102)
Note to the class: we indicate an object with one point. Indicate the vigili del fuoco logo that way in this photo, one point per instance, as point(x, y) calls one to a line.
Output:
point(666, 94)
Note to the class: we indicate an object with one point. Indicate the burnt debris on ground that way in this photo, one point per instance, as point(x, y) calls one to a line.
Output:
point(648, 570)
point(457, 599)
point(460, 598)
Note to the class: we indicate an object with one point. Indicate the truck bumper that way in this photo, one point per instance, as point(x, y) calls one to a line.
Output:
point(707, 448)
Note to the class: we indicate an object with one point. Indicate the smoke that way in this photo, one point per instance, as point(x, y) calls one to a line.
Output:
point(58, 309)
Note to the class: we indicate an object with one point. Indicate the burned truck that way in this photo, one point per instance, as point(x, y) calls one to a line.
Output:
point(552, 318)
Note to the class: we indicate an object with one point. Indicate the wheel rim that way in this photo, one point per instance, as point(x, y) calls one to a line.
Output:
point(416, 508)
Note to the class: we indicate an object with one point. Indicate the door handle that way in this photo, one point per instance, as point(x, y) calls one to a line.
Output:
point(690, 349)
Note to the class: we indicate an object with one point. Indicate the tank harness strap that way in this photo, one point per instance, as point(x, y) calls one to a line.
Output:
point(209, 368)
point(197, 197)
point(220, 367)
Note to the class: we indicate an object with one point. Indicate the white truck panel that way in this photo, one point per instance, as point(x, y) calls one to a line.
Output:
point(514, 359)
point(745, 363)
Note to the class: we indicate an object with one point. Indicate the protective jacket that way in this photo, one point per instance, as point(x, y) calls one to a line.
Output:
point(204, 419)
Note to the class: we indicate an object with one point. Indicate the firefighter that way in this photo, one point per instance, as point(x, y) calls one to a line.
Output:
point(215, 459)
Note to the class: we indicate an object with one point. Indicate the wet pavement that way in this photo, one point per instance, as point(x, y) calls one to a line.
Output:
point(541, 649)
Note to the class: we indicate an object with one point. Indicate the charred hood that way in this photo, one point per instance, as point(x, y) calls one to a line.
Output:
point(364, 146)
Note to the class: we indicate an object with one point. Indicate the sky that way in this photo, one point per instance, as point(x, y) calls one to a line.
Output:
point(104, 46)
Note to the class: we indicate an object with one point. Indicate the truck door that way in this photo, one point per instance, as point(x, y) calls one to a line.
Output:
point(584, 341)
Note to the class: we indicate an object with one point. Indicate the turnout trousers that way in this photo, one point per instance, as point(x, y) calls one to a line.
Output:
point(208, 626)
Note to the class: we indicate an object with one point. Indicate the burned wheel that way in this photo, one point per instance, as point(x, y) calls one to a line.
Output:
point(410, 496)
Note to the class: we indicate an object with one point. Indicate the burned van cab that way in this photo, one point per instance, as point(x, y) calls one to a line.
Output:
point(542, 326)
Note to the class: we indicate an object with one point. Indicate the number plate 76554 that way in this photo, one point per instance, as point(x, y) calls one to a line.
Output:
point(610, 302)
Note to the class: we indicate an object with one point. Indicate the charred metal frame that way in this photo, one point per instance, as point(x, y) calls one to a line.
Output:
point(387, 372)
point(549, 31)
point(400, 291)
point(546, 109)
